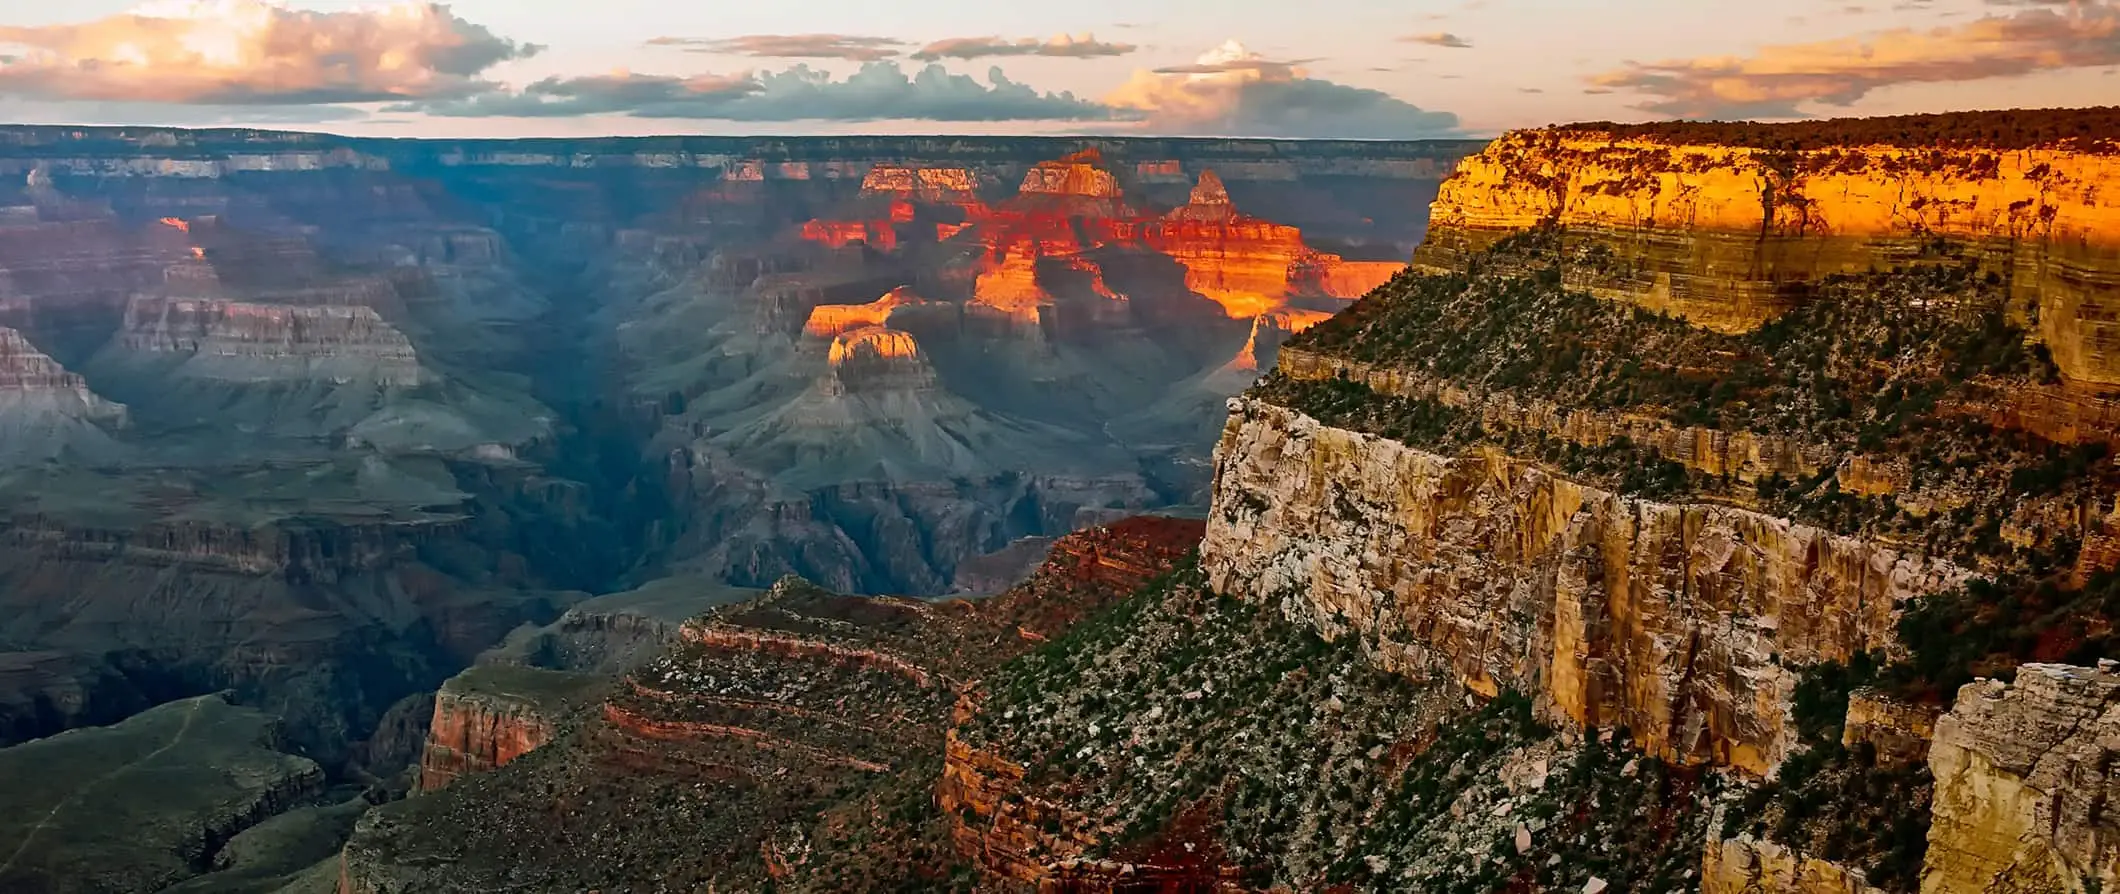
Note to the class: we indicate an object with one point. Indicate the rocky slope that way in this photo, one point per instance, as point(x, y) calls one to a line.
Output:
point(794, 737)
point(48, 413)
point(368, 406)
point(1691, 439)
point(492, 714)
point(1730, 236)
point(144, 804)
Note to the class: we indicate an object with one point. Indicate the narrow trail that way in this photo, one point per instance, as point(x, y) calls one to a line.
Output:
point(69, 800)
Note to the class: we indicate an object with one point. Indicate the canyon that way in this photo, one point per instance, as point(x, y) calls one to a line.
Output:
point(353, 433)
point(1707, 507)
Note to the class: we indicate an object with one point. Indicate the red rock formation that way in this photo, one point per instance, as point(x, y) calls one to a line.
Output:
point(492, 714)
point(1268, 331)
point(894, 202)
point(1080, 174)
point(833, 320)
point(1251, 266)
point(722, 636)
point(932, 185)
point(881, 235)
point(471, 736)
point(875, 358)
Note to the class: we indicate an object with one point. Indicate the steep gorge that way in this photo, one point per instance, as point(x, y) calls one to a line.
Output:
point(1633, 459)
point(374, 405)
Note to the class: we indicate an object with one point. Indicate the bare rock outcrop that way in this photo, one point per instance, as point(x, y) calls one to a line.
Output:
point(1678, 621)
point(1729, 237)
point(49, 413)
point(494, 713)
point(2024, 777)
point(1746, 865)
point(243, 341)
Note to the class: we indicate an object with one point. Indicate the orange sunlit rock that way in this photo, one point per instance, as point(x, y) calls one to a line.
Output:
point(1727, 237)
point(873, 342)
point(831, 320)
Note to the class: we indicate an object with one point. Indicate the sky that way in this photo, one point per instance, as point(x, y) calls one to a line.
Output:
point(1360, 69)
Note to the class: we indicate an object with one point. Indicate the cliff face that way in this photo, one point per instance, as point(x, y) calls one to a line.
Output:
point(2022, 776)
point(1681, 622)
point(492, 714)
point(48, 413)
point(1745, 865)
point(244, 342)
point(1697, 526)
point(1730, 237)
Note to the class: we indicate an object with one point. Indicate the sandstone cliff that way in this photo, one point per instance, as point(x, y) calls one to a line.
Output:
point(1681, 622)
point(492, 714)
point(2022, 779)
point(1730, 237)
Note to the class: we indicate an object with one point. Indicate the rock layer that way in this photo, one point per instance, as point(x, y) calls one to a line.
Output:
point(1681, 622)
point(788, 737)
point(492, 714)
point(48, 413)
point(245, 342)
point(1745, 865)
point(1728, 237)
point(2023, 776)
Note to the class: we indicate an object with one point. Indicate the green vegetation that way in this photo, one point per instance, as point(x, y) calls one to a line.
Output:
point(1889, 366)
point(1841, 804)
point(1602, 811)
point(2088, 130)
point(1186, 719)
point(1987, 628)
point(1867, 355)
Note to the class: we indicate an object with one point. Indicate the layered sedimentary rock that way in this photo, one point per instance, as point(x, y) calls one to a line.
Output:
point(778, 733)
point(2023, 777)
point(1077, 176)
point(248, 342)
point(1897, 731)
point(1248, 265)
point(1679, 621)
point(1745, 865)
point(48, 413)
point(928, 184)
point(1729, 237)
point(492, 714)
point(878, 358)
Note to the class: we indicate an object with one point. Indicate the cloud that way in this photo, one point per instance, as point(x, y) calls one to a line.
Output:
point(857, 48)
point(1086, 46)
point(1439, 39)
point(252, 52)
point(1776, 81)
point(879, 91)
point(1231, 91)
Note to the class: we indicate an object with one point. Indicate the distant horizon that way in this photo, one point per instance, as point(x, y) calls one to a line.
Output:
point(1344, 69)
point(296, 129)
